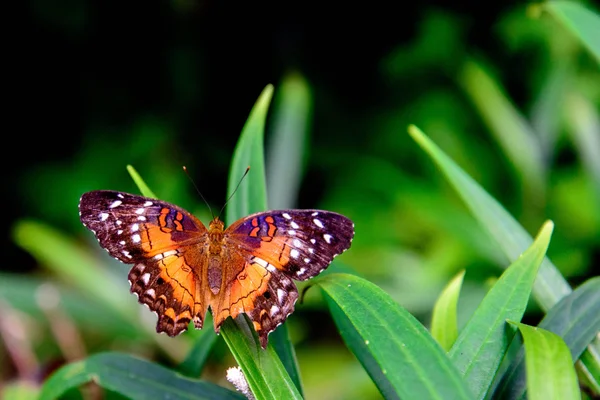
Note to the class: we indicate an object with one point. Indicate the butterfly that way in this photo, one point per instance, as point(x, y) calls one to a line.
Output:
point(181, 268)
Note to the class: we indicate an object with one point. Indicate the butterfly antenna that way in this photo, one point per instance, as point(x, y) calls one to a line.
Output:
point(236, 188)
point(198, 190)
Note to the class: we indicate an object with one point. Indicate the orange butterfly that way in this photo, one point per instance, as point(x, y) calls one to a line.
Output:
point(181, 268)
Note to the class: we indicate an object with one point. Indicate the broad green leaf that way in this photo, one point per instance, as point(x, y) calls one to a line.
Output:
point(581, 21)
point(550, 371)
point(72, 264)
point(481, 345)
point(444, 322)
point(575, 318)
point(290, 125)
point(550, 286)
point(263, 369)
point(398, 353)
point(141, 184)
point(131, 377)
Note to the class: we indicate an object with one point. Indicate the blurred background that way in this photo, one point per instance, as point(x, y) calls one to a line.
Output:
point(512, 97)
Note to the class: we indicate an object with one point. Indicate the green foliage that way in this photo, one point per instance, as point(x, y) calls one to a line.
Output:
point(433, 228)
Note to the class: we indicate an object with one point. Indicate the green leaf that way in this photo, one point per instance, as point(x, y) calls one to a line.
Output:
point(131, 377)
point(289, 133)
point(144, 189)
point(575, 318)
point(444, 322)
point(550, 286)
point(508, 126)
point(584, 23)
point(550, 371)
point(263, 369)
point(481, 345)
point(251, 196)
point(198, 354)
point(398, 353)
point(72, 264)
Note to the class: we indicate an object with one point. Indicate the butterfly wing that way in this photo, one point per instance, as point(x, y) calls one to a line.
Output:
point(275, 247)
point(164, 242)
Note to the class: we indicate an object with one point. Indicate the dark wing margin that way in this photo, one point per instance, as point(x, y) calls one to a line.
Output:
point(300, 243)
point(132, 228)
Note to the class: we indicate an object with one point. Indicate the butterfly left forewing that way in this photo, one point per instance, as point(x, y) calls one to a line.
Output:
point(271, 249)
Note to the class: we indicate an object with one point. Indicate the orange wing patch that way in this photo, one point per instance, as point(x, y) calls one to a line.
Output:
point(250, 283)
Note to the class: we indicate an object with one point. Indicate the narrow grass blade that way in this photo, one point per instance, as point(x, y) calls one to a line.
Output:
point(480, 347)
point(289, 134)
point(144, 189)
point(263, 369)
point(444, 322)
point(509, 128)
point(131, 377)
point(550, 371)
point(581, 21)
point(398, 353)
point(199, 352)
point(510, 236)
point(575, 318)
point(251, 195)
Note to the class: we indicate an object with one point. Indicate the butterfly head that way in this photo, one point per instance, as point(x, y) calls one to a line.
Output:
point(216, 225)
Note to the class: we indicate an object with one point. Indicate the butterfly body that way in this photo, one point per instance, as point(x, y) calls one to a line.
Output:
point(181, 268)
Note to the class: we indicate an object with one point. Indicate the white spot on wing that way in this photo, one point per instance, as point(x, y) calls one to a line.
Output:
point(136, 238)
point(146, 278)
point(271, 268)
point(120, 196)
point(311, 250)
point(118, 222)
point(281, 295)
point(294, 225)
point(141, 218)
point(292, 232)
point(286, 216)
point(119, 231)
point(135, 227)
point(169, 253)
point(158, 256)
point(313, 241)
point(318, 223)
point(115, 203)
point(294, 253)
point(139, 211)
point(315, 214)
point(300, 271)
point(103, 216)
point(151, 293)
point(274, 310)
point(147, 204)
point(327, 237)
point(307, 260)
point(126, 254)
point(261, 262)
point(297, 243)
point(122, 242)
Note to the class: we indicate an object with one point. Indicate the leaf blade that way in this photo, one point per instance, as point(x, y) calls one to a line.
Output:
point(387, 338)
point(479, 349)
point(444, 322)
